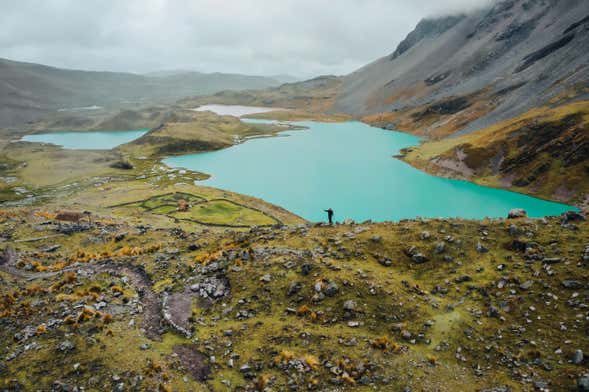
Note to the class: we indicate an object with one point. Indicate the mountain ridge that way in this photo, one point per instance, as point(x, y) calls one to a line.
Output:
point(477, 51)
point(28, 91)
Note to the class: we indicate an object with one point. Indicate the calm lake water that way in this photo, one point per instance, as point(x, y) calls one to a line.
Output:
point(94, 140)
point(235, 110)
point(349, 167)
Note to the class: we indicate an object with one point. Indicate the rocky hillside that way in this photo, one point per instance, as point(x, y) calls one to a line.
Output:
point(29, 91)
point(511, 73)
point(424, 305)
point(461, 73)
point(545, 152)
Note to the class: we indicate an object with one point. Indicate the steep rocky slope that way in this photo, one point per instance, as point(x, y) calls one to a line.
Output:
point(462, 73)
point(455, 75)
point(28, 91)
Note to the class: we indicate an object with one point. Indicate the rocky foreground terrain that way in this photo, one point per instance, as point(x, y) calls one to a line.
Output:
point(93, 302)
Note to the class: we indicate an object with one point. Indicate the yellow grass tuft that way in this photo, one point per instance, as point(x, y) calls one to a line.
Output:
point(311, 361)
point(283, 357)
point(41, 329)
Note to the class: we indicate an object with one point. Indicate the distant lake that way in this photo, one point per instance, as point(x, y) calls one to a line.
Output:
point(88, 140)
point(235, 110)
point(349, 167)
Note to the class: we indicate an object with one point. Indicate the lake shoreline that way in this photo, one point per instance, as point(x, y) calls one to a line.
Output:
point(180, 161)
point(294, 125)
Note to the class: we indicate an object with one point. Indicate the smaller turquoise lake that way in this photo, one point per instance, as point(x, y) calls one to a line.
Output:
point(350, 167)
point(90, 140)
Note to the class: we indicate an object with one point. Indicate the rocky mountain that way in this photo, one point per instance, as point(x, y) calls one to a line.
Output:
point(29, 91)
point(486, 67)
point(504, 90)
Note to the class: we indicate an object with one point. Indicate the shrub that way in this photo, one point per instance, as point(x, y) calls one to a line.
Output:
point(283, 357)
point(117, 289)
point(303, 310)
point(41, 329)
point(165, 388)
point(262, 381)
point(107, 318)
point(311, 361)
point(122, 165)
point(69, 277)
point(348, 379)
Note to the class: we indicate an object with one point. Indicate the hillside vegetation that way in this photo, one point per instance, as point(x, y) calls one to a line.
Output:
point(194, 131)
point(315, 95)
point(545, 151)
point(106, 304)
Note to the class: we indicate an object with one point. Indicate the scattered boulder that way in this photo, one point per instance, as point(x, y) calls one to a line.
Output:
point(66, 346)
point(9, 256)
point(350, 305)
point(439, 248)
point(572, 284)
point(481, 248)
point(463, 278)
point(572, 216)
point(513, 230)
point(551, 260)
point(331, 289)
point(502, 388)
point(266, 278)
point(583, 383)
point(306, 268)
point(294, 288)
point(516, 213)
point(578, 357)
point(415, 255)
point(419, 258)
point(212, 287)
point(526, 285)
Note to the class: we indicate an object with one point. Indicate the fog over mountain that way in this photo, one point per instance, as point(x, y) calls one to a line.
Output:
point(262, 37)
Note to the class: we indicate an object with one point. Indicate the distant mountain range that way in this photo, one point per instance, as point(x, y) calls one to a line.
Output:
point(29, 91)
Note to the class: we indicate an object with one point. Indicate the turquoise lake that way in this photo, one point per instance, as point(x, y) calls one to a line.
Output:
point(93, 140)
point(350, 167)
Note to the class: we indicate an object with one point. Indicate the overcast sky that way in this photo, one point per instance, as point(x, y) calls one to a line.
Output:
point(265, 37)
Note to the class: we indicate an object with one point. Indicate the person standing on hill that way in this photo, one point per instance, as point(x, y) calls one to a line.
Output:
point(329, 215)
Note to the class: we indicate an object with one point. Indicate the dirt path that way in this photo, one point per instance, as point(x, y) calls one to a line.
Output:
point(152, 305)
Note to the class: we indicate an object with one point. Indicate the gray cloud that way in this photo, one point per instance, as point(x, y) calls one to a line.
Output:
point(299, 37)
